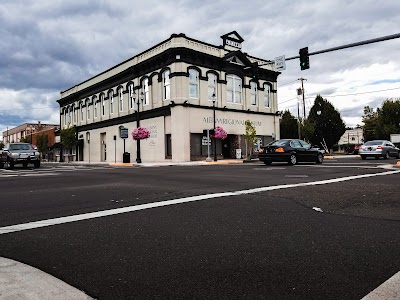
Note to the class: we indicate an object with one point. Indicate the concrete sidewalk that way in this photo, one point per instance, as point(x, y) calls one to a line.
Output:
point(22, 282)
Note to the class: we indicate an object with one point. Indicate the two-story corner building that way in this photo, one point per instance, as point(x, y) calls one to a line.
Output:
point(174, 89)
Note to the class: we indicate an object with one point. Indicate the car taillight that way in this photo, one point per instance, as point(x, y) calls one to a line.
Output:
point(260, 150)
point(280, 150)
point(379, 147)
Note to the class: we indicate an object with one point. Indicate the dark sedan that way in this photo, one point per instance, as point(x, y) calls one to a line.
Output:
point(291, 151)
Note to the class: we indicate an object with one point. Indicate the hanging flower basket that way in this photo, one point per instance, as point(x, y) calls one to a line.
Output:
point(140, 133)
point(219, 133)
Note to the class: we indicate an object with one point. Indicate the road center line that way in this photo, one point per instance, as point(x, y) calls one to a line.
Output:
point(116, 211)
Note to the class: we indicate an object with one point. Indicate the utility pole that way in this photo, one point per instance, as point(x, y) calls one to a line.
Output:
point(304, 102)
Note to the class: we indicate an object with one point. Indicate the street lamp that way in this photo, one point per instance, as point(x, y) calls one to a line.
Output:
point(215, 140)
point(139, 100)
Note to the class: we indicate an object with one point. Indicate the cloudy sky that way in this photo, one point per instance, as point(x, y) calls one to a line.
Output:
point(48, 46)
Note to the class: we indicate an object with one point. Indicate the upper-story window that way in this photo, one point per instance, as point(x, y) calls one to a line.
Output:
point(71, 111)
point(194, 83)
point(253, 93)
point(145, 91)
point(81, 109)
point(212, 86)
point(233, 89)
point(121, 99)
point(267, 93)
point(131, 96)
point(87, 109)
point(66, 116)
point(103, 105)
point(111, 98)
point(166, 85)
point(94, 106)
point(75, 115)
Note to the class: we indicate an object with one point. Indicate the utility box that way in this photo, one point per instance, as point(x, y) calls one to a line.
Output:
point(126, 157)
point(238, 153)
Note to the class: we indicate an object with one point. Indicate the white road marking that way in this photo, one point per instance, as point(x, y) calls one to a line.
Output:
point(116, 211)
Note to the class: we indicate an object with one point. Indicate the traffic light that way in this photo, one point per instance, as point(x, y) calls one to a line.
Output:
point(304, 59)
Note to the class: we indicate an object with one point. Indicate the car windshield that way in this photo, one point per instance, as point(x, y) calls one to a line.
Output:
point(20, 147)
point(372, 143)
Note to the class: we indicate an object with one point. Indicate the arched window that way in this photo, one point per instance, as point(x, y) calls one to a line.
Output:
point(194, 83)
point(66, 116)
point(94, 106)
point(145, 91)
point(253, 93)
point(131, 96)
point(121, 99)
point(233, 89)
point(166, 85)
point(103, 105)
point(267, 93)
point(212, 86)
point(87, 109)
point(81, 109)
point(111, 98)
point(71, 111)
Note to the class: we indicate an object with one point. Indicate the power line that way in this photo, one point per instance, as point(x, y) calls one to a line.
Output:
point(343, 95)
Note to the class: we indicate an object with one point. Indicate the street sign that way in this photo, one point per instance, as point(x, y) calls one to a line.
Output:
point(205, 141)
point(124, 133)
point(280, 63)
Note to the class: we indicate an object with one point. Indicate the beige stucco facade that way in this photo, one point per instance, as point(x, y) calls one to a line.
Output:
point(176, 110)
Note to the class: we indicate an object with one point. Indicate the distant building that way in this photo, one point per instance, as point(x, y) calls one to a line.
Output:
point(28, 131)
point(173, 89)
point(351, 138)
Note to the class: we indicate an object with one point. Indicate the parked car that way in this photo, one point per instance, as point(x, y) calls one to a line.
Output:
point(291, 151)
point(379, 148)
point(19, 153)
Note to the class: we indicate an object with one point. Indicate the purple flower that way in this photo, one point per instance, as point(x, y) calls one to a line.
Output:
point(140, 133)
point(220, 133)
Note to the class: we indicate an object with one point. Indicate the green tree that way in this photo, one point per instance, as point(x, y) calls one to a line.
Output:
point(68, 138)
point(250, 137)
point(388, 119)
point(328, 124)
point(370, 120)
point(307, 129)
point(24, 140)
point(380, 124)
point(41, 142)
point(288, 126)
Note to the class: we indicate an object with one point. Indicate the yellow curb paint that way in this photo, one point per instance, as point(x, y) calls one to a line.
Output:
point(121, 165)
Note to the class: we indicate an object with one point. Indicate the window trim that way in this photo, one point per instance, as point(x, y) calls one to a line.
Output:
point(195, 83)
point(233, 92)
point(166, 85)
point(253, 93)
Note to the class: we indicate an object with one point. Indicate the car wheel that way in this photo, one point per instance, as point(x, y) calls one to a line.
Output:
point(1, 165)
point(319, 159)
point(10, 165)
point(363, 157)
point(386, 155)
point(292, 159)
point(267, 162)
point(37, 164)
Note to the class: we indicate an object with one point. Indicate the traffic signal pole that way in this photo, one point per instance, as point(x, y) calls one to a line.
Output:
point(381, 39)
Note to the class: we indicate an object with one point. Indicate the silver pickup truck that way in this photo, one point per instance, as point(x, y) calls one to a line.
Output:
point(19, 153)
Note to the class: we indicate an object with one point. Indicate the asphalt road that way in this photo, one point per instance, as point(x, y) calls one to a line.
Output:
point(260, 244)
